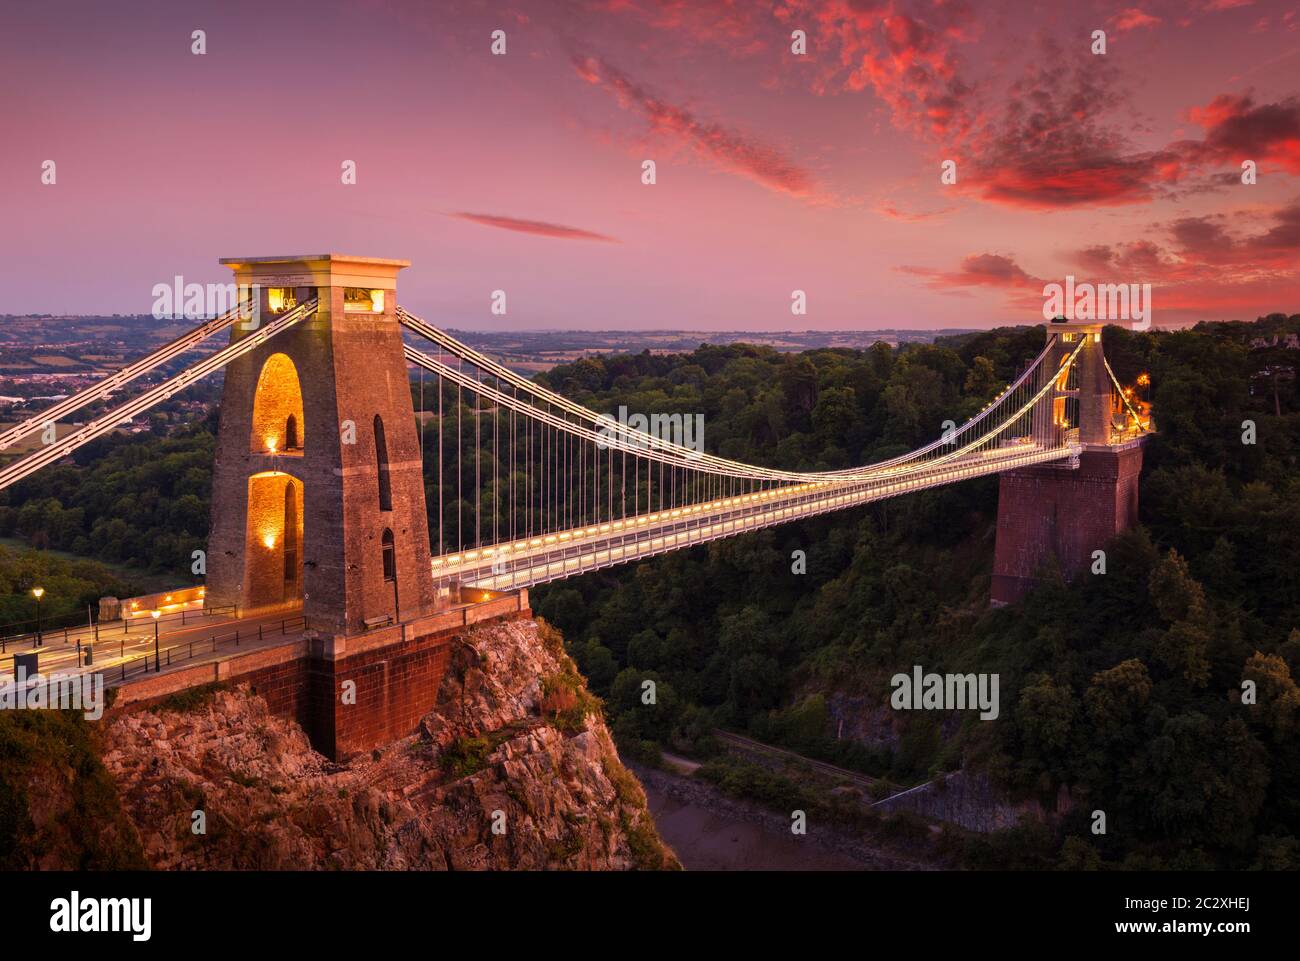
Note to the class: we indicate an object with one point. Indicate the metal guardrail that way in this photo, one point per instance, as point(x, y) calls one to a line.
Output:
point(54, 625)
point(97, 630)
point(179, 653)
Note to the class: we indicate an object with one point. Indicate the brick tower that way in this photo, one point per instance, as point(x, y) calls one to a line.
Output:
point(1068, 509)
point(317, 489)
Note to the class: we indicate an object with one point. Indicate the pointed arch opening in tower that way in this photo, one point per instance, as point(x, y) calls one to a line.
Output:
point(390, 556)
point(274, 540)
point(381, 466)
point(277, 409)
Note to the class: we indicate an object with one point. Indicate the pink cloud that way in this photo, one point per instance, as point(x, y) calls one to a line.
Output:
point(1132, 19)
point(977, 270)
point(726, 149)
point(888, 208)
point(1184, 268)
point(1046, 146)
point(540, 228)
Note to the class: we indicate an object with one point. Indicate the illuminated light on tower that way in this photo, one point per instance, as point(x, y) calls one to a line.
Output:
point(280, 299)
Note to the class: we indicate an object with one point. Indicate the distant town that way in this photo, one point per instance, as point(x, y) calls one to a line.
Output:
point(541, 350)
point(44, 358)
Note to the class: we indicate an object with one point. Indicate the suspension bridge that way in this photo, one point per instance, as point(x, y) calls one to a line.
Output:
point(330, 503)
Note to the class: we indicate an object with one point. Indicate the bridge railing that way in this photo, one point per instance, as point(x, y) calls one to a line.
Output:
point(180, 651)
point(188, 650)
point(97, 630)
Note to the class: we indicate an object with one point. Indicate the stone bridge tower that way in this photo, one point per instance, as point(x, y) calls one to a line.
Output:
point(1067, 510)
point(317, 488)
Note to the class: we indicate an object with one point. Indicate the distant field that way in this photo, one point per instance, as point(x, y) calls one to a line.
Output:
point(32, 441)
point(148, 582)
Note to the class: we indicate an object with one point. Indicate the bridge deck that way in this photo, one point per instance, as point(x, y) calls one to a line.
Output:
point(555, 556)
point(121, 654)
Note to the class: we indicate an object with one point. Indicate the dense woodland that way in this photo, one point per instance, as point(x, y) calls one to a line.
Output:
point(1124, 688)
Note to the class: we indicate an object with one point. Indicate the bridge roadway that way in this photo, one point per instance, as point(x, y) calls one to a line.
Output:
point(524, 563)
point(179, 644)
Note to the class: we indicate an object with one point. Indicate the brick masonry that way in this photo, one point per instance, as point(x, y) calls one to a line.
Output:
point(397, 672)
point(1057, 512)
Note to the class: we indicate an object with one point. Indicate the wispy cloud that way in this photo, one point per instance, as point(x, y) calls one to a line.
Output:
point(887, 208)
point(725, 148)
point(540, 228)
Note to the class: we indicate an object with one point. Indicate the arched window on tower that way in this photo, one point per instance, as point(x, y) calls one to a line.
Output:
point(390, 556)
point(291, 433)
point(381, 464)
point(290, 538)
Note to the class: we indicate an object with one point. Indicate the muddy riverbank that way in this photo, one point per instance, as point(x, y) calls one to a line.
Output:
point(712, 832)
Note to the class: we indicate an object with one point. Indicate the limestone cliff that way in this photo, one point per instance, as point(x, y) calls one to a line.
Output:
point(514, 769)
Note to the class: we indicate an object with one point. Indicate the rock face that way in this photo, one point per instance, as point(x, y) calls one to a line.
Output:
point(514, 769)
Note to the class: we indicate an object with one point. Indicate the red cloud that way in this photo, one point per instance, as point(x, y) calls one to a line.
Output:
point(1045, 151)
point(729, 150)
point(1132, 19)
point(908, 59)
point(1050, 143)
point(1238, 129)
point(538, 227)
point(1043, 184)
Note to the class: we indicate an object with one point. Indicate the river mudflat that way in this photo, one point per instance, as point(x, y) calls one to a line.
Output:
point(710, 831)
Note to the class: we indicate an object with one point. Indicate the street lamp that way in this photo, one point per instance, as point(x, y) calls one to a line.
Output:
point(155, 615)
point(38, 593)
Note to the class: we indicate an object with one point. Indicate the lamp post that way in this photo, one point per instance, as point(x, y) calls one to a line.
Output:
point(38, 593)
point(155, 615)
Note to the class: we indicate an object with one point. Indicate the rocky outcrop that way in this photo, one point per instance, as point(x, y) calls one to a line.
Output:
point(514, 769)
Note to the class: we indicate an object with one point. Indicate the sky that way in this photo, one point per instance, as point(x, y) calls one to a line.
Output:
point(775, 170)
